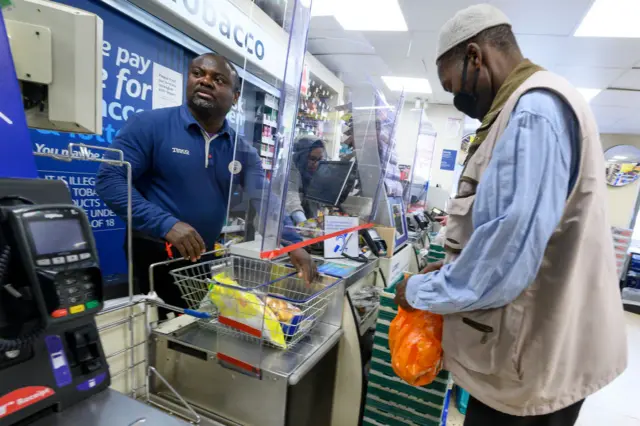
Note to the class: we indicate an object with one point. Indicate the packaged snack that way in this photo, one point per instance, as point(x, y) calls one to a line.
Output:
point(284, 310)
point(245, 308)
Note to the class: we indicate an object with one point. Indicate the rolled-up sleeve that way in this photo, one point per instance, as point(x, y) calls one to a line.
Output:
point(519, 203)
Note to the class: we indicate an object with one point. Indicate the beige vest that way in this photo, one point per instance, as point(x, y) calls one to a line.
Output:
point(564, 337)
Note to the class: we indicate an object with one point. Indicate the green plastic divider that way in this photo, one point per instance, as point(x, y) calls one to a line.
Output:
point(423, 393)
point(420, 406)
point(401, 412)
point(383, 418)
point(388, 371)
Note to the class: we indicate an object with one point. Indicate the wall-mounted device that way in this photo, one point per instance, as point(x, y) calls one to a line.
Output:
point(377, 245)
point(57, 52)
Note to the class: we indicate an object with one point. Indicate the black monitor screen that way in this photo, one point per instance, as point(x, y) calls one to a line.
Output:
point(328, 181)
point(57, 236)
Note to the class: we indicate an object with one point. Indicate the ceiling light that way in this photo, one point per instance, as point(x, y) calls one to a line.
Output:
point(323, 7)
point(370, 15)
point(619, 157)
point(407, 84)
point(589, 93)
point(611, 18)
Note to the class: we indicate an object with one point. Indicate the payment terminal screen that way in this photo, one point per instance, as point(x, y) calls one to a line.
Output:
point(56, 236)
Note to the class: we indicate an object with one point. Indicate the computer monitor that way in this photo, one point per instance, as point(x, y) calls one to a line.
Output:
point(330, 182)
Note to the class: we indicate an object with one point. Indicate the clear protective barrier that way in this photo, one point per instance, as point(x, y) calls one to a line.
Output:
point(244, 297)
point(416, 194)
point(331, 193)
point(274, 224)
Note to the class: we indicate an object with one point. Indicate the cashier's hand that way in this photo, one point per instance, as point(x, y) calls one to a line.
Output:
point(305, 265)
point(187, 240)
point(401, 289)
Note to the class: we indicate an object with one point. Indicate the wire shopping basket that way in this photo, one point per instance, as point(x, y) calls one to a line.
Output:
point(255, 299)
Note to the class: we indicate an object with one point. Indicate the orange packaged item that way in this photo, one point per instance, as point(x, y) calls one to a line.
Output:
point(415, 341)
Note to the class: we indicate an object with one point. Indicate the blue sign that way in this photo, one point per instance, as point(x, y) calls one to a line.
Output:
point(16, 158)
point(448, 161)
point(129, 52)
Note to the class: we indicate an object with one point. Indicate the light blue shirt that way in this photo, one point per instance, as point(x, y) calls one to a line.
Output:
point(519, 202)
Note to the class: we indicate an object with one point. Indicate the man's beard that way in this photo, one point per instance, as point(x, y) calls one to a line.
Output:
point(203, 104)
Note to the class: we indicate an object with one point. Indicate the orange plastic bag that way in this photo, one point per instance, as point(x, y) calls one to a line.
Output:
point(415, 341)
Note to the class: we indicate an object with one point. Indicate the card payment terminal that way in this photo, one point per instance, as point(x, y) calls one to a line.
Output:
point(50, 290)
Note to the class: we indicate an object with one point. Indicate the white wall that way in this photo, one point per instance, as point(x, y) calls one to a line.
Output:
point(621, 200)
point(407, 134)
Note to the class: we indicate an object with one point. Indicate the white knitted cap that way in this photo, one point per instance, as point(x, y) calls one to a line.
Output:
point(467, 24)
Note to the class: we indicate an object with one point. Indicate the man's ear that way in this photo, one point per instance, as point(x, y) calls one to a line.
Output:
point(236, 96)
point(475, 55)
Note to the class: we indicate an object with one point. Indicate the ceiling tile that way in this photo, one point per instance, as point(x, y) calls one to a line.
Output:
point(365, 65)
point(430, 15)
point(327, 23)
point(629, 80)
point(588, 77)
point(608, 116)
point(338, 42)
point(580, 51)
point(632, 129)
point(533, 17)
point(617, 98)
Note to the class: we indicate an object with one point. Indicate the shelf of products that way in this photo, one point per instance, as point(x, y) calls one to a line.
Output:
point(265, 129)
point(317, 100)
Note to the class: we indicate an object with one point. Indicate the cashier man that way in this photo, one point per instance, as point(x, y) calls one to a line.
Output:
point(182, 160)
point(533, 321)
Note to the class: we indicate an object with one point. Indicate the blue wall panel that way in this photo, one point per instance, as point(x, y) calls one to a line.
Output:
point(129, 51)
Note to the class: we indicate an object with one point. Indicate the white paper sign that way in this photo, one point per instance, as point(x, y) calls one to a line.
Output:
point(346, 243)
point(167, 87)
point(452, 128)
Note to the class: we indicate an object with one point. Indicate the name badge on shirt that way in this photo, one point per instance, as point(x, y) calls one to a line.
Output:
point(235, 167)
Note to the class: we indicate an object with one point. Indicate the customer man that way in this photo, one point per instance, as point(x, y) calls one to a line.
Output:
point(533, 319)
point(183, 161)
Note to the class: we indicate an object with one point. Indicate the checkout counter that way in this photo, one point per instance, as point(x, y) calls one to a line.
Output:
point(111, 362)
point(320, 378)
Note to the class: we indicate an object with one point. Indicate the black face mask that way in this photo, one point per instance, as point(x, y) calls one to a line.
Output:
point(467, 102)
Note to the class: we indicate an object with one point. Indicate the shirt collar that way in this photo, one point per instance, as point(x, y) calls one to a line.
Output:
point(189, 120)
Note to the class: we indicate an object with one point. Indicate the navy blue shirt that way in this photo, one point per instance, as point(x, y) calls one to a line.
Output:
point(180, 173)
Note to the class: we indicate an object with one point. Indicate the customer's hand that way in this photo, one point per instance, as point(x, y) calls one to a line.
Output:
point(401, 288)
point(442, 220)
point(432, 267)
point(401, 296)
point(187, 240)
point(305, 265)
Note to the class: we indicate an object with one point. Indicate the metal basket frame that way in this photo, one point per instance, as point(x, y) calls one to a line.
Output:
point(262, 279)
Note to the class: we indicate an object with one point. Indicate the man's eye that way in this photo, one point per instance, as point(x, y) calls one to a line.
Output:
point(220, 80)
point(196, 73)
